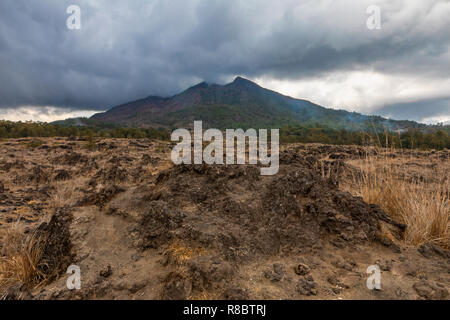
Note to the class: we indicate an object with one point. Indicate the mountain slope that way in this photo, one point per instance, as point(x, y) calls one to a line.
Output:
point(241, 103)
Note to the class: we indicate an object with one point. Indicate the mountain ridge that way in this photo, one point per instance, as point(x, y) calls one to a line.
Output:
point(241, 103)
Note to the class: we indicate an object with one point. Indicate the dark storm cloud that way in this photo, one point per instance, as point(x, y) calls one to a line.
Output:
point(130, 49)
point(419, 110)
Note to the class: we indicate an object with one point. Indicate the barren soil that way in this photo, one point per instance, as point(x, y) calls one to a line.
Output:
point(140, 228)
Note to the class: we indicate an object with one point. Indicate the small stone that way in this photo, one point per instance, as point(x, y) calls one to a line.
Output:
point(336, 290)
point(400, 293)
point(301, 269)
point(385, 265)
point(278, 268)
point(106, 272)
point(272, 276)
point(135, 257)
point(306, 286)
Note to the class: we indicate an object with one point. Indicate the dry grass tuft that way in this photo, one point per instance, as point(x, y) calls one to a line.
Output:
point(19, 260)
point(67, 193)
point(419, 199)
point(178, 254)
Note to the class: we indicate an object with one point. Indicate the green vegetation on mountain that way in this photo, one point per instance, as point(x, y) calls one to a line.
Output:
point(240, 104)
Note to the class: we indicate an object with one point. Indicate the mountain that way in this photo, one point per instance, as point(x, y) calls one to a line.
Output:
point(241, 103)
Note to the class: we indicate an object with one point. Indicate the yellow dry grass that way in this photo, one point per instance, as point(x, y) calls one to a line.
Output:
point(417, 194)
point(67, 193)
point(179, 253)
point(19, 260)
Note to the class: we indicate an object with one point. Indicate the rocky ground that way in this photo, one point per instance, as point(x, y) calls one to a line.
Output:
point(140, 228)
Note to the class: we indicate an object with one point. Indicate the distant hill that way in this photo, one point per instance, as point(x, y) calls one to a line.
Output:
point(241, 103)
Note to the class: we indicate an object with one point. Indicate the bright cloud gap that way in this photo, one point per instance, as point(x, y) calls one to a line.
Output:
point(42, 114)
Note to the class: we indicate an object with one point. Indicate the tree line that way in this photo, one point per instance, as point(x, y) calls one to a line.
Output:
point(436, 137)
point(9, 129)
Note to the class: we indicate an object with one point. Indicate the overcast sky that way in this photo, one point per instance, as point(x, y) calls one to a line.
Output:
point(320, 50)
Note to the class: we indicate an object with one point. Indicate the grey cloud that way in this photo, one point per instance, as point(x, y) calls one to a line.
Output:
point(419, 110)
point(128, 50)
